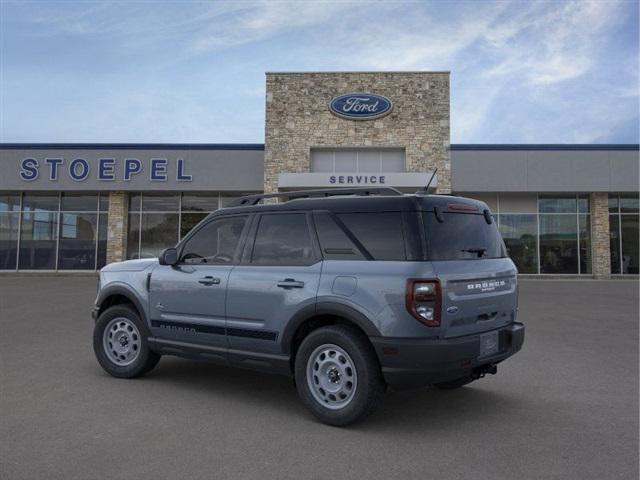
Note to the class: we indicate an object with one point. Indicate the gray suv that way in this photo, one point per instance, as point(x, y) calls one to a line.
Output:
point(349, 291)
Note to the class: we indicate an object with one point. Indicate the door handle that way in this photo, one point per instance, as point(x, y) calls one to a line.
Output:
point(290, 283)
point(209, 280)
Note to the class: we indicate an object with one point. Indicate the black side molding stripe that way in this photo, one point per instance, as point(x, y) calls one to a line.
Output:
point(259, 334)
point(199, 328)
point(194, 327)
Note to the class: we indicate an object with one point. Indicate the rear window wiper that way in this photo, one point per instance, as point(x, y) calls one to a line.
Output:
point(479, 251)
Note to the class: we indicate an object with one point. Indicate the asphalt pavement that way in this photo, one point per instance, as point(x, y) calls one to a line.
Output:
point(565, 407)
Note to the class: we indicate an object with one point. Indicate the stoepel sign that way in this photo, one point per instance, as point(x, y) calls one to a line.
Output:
point(80, 169)
point(360, 106)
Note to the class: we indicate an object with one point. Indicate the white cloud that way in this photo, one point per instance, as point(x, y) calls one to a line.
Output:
point(510, 61)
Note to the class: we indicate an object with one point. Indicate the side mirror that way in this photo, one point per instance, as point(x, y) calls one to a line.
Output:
point(169, 256)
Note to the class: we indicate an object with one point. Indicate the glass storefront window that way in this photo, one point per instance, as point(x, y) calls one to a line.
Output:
point(102, 240)
point(565, 234)
point(584, 236)
point(38, 239)
point(154, 202)
point(40, 201)
point(558, 244)
point(352, 160)
point(583, 204)
point(135, 202)
point(227, 199)
point(79, 202)
point(520, 235)
point(189, 220)
point(81, 225)
point(78, 235)
point(49, 231)
point(159, 221)
point(630, 246)
point(614, 242)
point(159, 231)
point(9, 202)
point(133, 236)
point(9, 222)
point(103, 203)
point(199, 202)
point(629, 204)
point(557, 204)
point(623, 233)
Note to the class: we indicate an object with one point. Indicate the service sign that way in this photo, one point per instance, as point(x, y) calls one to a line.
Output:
point(360, 106)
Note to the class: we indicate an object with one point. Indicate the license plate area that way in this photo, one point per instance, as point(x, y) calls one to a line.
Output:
point(489, 344)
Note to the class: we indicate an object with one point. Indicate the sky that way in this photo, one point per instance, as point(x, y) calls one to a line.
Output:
point(193, 72)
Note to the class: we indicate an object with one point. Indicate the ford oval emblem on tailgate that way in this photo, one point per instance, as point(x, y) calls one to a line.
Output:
point(452, 310)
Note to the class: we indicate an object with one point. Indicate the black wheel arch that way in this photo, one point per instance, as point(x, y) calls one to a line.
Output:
point(320, 314)
point(118, 295)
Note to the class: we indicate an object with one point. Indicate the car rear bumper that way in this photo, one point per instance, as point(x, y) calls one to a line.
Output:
point(409, 363)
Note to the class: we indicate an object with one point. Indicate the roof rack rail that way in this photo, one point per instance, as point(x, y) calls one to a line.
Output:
point(362, 191)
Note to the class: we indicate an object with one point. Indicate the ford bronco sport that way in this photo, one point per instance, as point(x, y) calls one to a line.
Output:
point(350, 291)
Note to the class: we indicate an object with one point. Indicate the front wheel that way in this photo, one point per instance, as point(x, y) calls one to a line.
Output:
point(120, 343)
point(337, 375)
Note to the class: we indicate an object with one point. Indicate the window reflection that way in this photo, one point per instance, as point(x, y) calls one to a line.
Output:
point(38, 238)
point(520, 235)
point(557, 204)
point(159, 231)
point(630, 245)
point(190, 220)
point(624, 239)
point(558, 244)
point(9, 202)
point(9, 222)
point(158, 221)
point(614, 242)
point(77, 248)
point(584, 224)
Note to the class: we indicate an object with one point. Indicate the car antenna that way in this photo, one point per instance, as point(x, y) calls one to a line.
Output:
point(425, 190)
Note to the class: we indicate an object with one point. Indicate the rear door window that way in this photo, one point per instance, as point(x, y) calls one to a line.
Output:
point(283, 239)
point(462, 236)
point(380, 233)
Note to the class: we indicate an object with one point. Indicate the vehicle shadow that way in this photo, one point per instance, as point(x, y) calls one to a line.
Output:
point(402, 411)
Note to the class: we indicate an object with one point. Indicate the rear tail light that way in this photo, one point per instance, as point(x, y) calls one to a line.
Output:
point(423, 301)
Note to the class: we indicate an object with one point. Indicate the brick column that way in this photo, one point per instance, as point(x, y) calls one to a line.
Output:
point(600, 251)
point(117, 226)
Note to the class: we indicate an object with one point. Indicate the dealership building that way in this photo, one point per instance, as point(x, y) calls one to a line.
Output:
point(562, 209)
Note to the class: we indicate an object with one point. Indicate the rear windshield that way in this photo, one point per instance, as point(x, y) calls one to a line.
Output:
point(462, 236)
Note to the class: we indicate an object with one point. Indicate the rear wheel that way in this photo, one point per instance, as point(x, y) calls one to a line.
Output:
point(337, 375)
point(120, 343)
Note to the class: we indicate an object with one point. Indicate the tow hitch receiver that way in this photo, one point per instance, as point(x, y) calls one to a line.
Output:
point(480, 372)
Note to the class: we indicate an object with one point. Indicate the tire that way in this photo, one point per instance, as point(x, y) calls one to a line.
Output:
point(453, 384)
point(341, 356)
point(123, 351)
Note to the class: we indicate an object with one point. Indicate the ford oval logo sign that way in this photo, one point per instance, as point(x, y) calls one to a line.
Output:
point(360, 106)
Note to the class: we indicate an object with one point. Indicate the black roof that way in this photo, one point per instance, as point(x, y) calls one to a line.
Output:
point(373, 203)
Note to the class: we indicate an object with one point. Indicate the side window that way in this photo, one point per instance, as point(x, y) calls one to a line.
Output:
point(215, 243)
point(334, 242)
point(283, 239)
point(380, 233)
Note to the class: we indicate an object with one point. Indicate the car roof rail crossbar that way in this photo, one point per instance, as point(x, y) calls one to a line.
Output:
point(330, 192)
